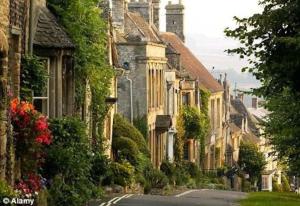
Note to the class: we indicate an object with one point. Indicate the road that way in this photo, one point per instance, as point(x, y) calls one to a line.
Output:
point(189, 198)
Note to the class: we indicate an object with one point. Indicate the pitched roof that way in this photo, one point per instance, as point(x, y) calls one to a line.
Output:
point(145, 31)
point(250, 137)
point(49, 33)
point(239, 111)
point(191, 63)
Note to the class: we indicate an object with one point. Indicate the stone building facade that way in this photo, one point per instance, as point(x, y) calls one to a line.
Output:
point(194, 77)
point(141, 87)
point(13, 43)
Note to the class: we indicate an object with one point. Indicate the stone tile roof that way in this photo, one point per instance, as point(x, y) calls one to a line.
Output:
point(145, 32)
point(49, 33)
point(250, 137)
point(234, 128)
point(191, 63)
point(239, 111)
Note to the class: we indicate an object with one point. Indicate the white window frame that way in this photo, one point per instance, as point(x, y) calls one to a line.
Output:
point(48, 85)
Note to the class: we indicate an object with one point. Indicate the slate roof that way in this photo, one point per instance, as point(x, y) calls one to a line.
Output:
point(146, 32)
point(49, 33)
point(191, 63)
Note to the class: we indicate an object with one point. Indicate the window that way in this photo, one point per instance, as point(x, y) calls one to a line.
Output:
point(186, 98)
point(41, 99)
point(218, 113)
point(186, 151)
point(149, 89)
point(264, 183)
point(212, 114)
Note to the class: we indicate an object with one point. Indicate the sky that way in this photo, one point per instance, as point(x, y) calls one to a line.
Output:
point(205, 22)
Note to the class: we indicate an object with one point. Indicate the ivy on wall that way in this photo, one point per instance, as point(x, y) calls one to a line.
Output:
point(88, 30)
point(205, 123)
point(193, 124)
point(33, 77)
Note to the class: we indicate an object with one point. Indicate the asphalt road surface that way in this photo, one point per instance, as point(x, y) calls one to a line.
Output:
point(190, 198)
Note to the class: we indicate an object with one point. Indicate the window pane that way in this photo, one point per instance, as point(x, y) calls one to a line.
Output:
point(41, 105)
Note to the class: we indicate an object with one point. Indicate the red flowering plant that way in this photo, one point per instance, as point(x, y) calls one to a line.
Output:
point(31, 135)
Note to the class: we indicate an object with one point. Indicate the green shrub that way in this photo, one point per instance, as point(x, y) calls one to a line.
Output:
point(125, 148)
point(100, 170)
point(123, 173)
point(246, 185)
point(285, 184)
point(141, 123)
point(168, 168)
point(155, 178)
point(147, 188)
point(68, 164)
point(221, 171)
point(192, 169)
point(191, 183)
point(181, 175)
point(123, 128)
point(276, 186)
point(6, 190)
point(143, 163)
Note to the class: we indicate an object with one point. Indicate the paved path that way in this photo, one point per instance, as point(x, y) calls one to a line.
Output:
point(189, 198)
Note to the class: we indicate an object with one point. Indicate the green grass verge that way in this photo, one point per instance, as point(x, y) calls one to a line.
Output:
point(271, 199)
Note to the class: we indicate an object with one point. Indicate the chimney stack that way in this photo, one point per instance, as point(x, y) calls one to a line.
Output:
point(143, 7)
point(119, 8)
point(156, 9)
point(255, 102)
point(241, 97)
point(175, 19)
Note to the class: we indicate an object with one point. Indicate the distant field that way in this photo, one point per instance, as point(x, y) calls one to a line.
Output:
point(271, 199)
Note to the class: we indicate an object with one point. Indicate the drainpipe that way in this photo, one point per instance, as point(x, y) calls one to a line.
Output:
point(131, 99)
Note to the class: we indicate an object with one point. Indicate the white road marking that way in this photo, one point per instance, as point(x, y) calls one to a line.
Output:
point(185, 193)
point(110, 201)
point(188, 192)
point(115, 200)
point(120, 198)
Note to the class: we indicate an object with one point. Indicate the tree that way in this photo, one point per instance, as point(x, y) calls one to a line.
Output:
point(251, 160)
point(271, 43)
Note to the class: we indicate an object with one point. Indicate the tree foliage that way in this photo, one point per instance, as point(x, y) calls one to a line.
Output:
point(251, 160)
point(271, 42)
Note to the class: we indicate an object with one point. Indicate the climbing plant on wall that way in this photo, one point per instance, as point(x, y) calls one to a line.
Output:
point(88, 30)
point(193, 124)
point(33, 77)
point(204, 122)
